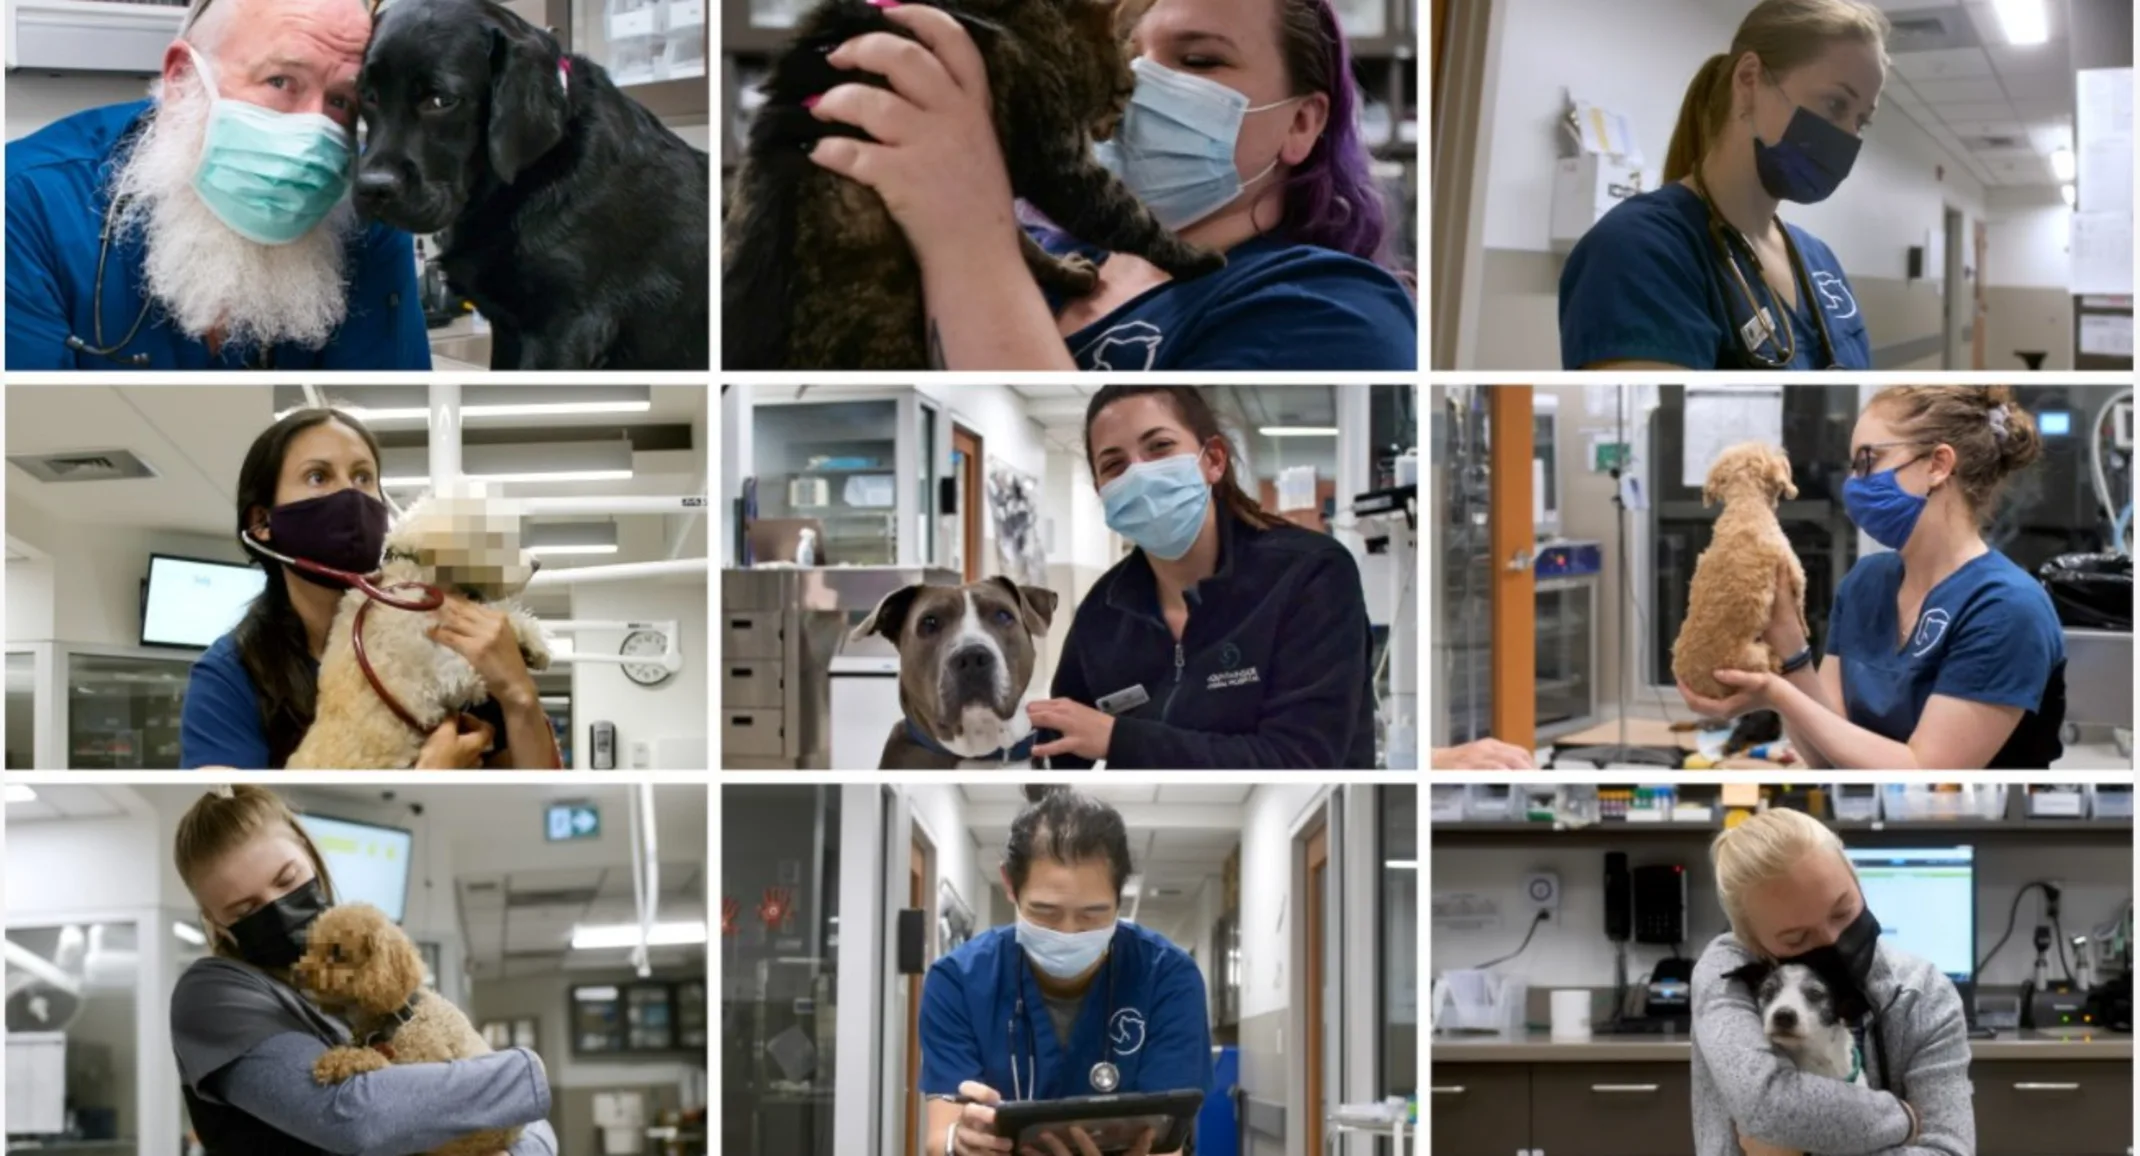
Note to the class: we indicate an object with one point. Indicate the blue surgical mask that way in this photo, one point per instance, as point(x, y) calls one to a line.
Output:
point(1880, 506)
point(271, 176)
point(1159, 504)
point(1063, 954)
point(1175, 146)
point(1809, 163)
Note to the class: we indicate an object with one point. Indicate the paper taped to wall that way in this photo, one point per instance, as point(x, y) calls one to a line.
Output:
point(2103, 252)
point(2107, 335)
point(1717, 419)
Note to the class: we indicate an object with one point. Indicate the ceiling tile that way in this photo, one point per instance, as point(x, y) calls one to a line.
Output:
point(1947, 92)
point(1943, 64)
point(1964, 111)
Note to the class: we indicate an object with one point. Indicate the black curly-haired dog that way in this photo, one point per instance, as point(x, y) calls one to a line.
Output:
point(574, 219)
point(817, 275)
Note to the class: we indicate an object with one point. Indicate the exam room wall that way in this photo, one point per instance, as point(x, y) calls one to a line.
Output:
point(1571, 948)
point(1613, 54)
point(2028, 296)
point(1267, 1037)
point(672, 716)
point(93, 579)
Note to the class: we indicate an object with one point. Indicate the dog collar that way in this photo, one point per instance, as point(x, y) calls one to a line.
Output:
point(1857, 1064)
point(400, 1020)
point(1023, 752)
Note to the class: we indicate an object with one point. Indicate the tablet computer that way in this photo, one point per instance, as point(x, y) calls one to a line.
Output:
point(1114, 1122)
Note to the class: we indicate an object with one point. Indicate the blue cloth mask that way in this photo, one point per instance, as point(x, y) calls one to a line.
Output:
point(271, 176)
point(1159, 504)
point(1880, 506)
point(1063, 954)
point(1809, 163)
point(1175, 146)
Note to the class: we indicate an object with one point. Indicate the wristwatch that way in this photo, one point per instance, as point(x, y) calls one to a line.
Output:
point(1799, 661)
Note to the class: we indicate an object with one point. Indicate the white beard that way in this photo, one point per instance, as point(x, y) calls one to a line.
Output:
point(206, 278)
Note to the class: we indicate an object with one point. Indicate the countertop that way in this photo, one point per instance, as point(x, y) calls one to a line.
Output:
point(1537, 1047)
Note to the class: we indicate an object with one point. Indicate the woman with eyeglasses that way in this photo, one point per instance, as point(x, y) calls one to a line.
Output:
point(1702, 273)
point(1942, 654)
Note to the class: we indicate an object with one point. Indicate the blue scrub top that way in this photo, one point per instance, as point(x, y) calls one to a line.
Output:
point(1276, 305)
point(57, 201)
point(1153, 1025)
point(1986, 633)
point(1645, 284)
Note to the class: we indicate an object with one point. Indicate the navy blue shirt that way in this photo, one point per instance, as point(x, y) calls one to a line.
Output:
point(1646, 284)
point(1276, 305)
point(58, 186)
point(1272, 670)
point(1145, 1012)
point(1986, 633)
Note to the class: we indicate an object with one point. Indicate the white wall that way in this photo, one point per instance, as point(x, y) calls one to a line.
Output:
point(2028, 244)
point(88, 587)
point(35, 100)
point(941, 813)
point(1636, 57)
point(1268, 905)
point(670, 717)
point(83, 867)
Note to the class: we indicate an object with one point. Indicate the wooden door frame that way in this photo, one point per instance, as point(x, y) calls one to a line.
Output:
point(1982, 243)
point(1511, 533)
point(1315, 929)
point(967, 442)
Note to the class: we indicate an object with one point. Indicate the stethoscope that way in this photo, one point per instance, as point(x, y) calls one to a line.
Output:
point(1757, 330)
point(96, 305)
point(1105, 1077)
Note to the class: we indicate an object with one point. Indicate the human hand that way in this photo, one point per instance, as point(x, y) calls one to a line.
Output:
point(1753, 1147)
point(452, 748)
point(484, 636)
point(1086, 732)
point(1483, 755)
point(1753, 694)
point(1085, 1146)
point(975, 1131)
point(1786, 629)
point(934, 158)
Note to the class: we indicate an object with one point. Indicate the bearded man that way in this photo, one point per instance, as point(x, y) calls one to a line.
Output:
point(210, 227)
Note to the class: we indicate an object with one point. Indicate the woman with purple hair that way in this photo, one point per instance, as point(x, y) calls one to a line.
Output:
point(1242, 136)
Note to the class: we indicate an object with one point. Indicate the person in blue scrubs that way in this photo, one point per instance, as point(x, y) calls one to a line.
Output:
point(309, 488)
point(1942, 654)
point(210, 227)
point(1241, 136)
point(1067, 1001)
point(1229, 638)
point(1702, 273)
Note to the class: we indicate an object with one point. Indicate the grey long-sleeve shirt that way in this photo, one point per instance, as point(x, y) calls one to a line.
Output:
point(1743, 1085)
point(243, 1039)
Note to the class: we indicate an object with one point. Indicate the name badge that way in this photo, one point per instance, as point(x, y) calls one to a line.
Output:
point(1757, 330)
point(1124, 700)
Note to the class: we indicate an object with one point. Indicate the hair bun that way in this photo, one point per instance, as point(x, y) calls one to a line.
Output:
point(1035, 792)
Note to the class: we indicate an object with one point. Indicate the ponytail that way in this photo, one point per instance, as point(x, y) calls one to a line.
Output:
point(1701, 117)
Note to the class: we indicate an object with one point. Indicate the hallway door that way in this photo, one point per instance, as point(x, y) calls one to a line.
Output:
point(1317, 923)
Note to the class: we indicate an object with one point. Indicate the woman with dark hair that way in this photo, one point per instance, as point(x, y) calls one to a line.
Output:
point(1066, 1001)
point(309, 488)
point(1242, 136)
point(1229, 638)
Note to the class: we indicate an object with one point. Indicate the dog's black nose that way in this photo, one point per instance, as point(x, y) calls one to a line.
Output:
point(375, 188)
point(969, 660)
point(1784, 1019)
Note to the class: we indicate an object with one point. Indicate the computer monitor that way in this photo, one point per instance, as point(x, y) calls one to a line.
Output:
point(1926, 901)
point(369, 862)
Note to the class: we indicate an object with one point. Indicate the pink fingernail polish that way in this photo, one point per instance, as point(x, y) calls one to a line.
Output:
point(811, 101)
point(885, 3)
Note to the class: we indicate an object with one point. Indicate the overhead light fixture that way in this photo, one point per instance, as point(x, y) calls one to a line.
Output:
point(1401, 864)
point(417, 481)
point(610, 936)
point(2062, 164)
point(2066, 191)
point(557, 539)
point(1298, 431)
point(19, 793)
point(384, 403)
point(189, 933)
point(2023, 21)
point(589, 461)
point(562, 551)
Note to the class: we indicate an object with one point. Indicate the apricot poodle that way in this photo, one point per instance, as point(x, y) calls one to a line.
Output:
point(1734, 590)
point(359, 966)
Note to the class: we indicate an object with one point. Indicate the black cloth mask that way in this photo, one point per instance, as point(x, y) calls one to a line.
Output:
point(1849, 960)
point(273, 937)
point(345, 530)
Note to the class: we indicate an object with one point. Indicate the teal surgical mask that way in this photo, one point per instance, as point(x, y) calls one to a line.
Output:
point(1175, 147)
point(271, 176)
point(1063, 954)
point(1160, 504)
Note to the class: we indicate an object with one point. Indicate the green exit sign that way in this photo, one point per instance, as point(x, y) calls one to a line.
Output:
point(563, 821)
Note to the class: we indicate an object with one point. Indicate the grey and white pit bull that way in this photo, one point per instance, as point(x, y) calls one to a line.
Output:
point(966, 658)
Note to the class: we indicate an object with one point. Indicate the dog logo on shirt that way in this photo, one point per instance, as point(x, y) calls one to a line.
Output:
point(1130, 346)
point(1126, 1032)
point(1930, 629)
point(1835, 295)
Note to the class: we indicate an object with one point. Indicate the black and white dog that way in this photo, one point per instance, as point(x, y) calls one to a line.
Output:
point(1807, 1018)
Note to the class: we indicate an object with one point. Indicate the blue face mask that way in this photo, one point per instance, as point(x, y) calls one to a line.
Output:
point(1159, 505)
point(1880, 506)
point(271, 176)
point(1063, 954)
point(1175, 147)
point(1809, 163)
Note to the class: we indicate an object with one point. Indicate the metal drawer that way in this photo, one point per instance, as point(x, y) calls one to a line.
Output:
point(750, 634)
point(750, 682)
point(1612, 1109)
point(752, 733)
point(2091, 1101)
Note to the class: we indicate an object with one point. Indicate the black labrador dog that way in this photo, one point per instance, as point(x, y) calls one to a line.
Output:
point(576, 221)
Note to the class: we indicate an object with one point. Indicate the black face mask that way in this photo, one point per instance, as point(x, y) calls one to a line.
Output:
point(273, 937)
point(345, 529)
point(1848, 960)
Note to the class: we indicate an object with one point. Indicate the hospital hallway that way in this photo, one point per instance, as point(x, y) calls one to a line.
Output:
point(1297, 902)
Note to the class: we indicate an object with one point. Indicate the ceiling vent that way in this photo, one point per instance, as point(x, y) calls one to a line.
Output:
point(1998, 142)
point(84, 466)
point(1929, 31)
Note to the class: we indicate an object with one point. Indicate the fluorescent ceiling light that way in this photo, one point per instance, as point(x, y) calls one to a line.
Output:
point(614, 935)
point(560, 551)
point(1401, 864)
point(2062, 164)
point(2066, 191)
point(2023, 21)
point(539, 409)
point(189, 933)
point(412, 403)
point(418, 481)
point(1298, 431)
point(368, 415)
point(19, 793)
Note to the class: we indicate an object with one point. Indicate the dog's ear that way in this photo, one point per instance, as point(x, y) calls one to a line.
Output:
point(889, 618)
point(1780, 467)
point(392, 971)
point(1035, 603)
point(1751, 974)
point(527, 93)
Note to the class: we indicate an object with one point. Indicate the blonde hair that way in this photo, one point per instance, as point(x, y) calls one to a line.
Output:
point(1763, 848)
point(1991, 434)
point(1784, 34)
point(225, 819)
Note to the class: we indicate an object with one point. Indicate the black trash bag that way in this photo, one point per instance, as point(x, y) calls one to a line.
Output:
point(2090, 591)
